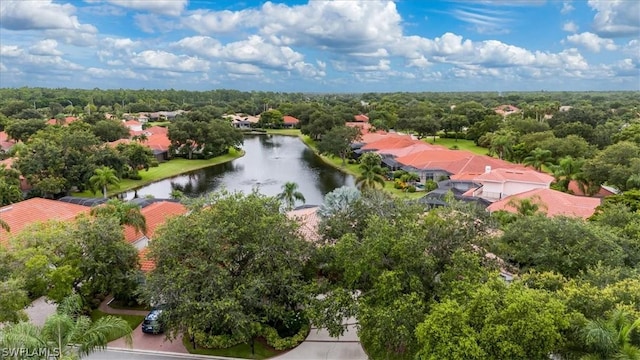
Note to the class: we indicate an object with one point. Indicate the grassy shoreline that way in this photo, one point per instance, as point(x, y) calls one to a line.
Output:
point(165, 170)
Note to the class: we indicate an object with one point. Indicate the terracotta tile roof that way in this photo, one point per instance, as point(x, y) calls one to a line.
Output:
point(379, 135)
point(156, 214)
point(309, 220)
point(389, 143)
point(132, 123)
point(574, 188)
point(417, 146)
point(434, 159)
point(517, 175)
point(146, 264)
point(553, 203)
point(159, 141)
point(24, 213)
point(365, 128)
point(8, 162)
point(156, 130)
point(68, 120)
point(290, 120)
point(506, 109)
point(361, 118)
point(5, 142)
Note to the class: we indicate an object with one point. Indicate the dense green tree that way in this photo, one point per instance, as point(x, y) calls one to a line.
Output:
point(560, 244)
point(125, 212)
point(319, 124)
point(22, 130)
point(525, 126)
point(489, 124)
point(568, 169)
point(13, 300)
point(502, 143)
point(9, 186)
point(454, 123)
point(614, 165)
point(237, 264)
point(110, 130)
point(337, 142)
point(500, 321)
point(271, 119)
point(290, 195)
point(136, 156)
point(66, 334)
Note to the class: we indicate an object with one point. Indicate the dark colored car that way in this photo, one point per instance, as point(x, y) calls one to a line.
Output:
point(152, 323)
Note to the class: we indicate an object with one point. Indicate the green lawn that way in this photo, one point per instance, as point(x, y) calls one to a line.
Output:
point(132, 320)
point(262, 351)
point(115, 304)
point(462, 144)
point(165, 170)
point(288, 132)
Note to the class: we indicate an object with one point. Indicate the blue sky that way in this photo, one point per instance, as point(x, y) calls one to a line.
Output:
point(322, 46)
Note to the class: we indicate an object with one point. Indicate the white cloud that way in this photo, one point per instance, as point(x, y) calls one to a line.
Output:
point(10, 51)
point(2, 67)
point(217, 22)
point(242, 69)
point(47, 47)
point(114, 73)
point(570, 26)
point(592, 42)
point(151, 23)
point(616, 18)
point(162, 7)
point(162, 60)
point(254, 51)
point(485, 21)
point(567, 7)
point(40, 15)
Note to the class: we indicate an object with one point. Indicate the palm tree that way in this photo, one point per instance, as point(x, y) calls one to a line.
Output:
point(538, 158)
point(370, 177)
point(65, 334)
point(527, 207)
point(290, 195)
point(611, 338)
point(567, 169)
point(103, 177)
point(127, 214)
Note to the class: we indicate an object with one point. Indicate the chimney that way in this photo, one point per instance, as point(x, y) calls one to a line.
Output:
point(487, 169)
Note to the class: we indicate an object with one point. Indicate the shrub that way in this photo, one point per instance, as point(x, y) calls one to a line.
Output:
point(398, 184)
point(430, 185)
point(411, 188)
point(274, 340)
point(209, 341)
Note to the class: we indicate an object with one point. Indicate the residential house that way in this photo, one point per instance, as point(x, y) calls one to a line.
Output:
point(242, 121)
point(497, 184)
point(365, 127)
point(290, 122)
point(361, 118)
point(603, 191)
point(156, 213)
point(133, 125)
point(64, 122)
point(551, 202)
point(506, 109)
point(21, 214)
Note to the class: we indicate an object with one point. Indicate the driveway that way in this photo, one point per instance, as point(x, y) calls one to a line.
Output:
point(142, 341)
point(39, 310)
point(320, 345)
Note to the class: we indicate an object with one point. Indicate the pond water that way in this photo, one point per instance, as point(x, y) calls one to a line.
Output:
point(268, 163)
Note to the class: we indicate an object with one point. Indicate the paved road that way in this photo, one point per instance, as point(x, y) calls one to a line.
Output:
point(115, 354)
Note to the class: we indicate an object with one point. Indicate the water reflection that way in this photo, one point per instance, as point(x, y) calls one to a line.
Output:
point(270, 161)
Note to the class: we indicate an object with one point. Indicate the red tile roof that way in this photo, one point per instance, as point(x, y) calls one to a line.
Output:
point(146, 264)
point(552, 202)
point(516, 175)
point(155, 214)
point(361, 118)
point(309, 220)
point(290, 120)
point(417, 146)
point(5, 142)
point(379, 135)
point(454, 161)
point(24, 213)
point(68, 120)
point(158, 141)
point(388, 143)
point(365, 128)
point(574, 189)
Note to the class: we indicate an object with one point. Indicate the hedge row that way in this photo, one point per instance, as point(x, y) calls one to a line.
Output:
point(269, 333)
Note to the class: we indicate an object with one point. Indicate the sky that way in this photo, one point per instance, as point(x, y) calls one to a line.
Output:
point(347, 46)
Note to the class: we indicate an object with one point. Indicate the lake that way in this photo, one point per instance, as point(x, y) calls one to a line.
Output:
point(268, 163)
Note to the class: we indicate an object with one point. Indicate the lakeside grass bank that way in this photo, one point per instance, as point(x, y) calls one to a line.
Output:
point(165, 170)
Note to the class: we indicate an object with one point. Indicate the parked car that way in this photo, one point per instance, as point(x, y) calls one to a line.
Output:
point(152, 323)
